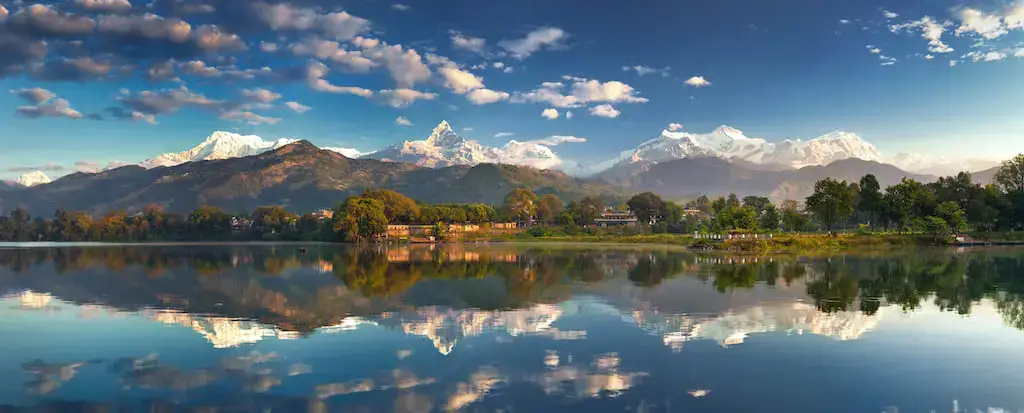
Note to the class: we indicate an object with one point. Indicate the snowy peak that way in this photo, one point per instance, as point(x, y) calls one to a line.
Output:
point(731, 143)
point(33, 178)
point(445, 148)
point(219, 145)
point(444, 136)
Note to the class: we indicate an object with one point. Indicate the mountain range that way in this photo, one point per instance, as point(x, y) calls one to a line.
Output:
point(241, 172)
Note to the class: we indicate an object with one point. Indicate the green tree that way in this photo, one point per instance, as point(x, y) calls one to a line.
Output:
point(521, 204)
point(210, 220)
point(273, 219)
point(831, 202)
point(733, 201)
point(647, 206)
point(759, 203)
point(792, 218)
point(870, 202)
point(952, 215)
point(907, 200)
point(1010, 176)
point(770, 218)
point(362, 219)
point(548, 208)
point(399, 208)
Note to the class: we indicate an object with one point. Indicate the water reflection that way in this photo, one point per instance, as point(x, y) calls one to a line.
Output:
point(500, 327)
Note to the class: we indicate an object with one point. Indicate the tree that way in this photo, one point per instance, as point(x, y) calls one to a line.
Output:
point(792, 218)
point(521, 203)
point(548, 208)
point(906, 200)
point(590, 209)
point(702, 203)
point(831, 202)
point(770, 218)
point(397, 207)
point(733, 201)
point(272, 219)
point(647, 206)
point(1010, 176)
point(210, 220)
point(362, 219)
point(759, 203)
point(950, 213)
point(870, 198)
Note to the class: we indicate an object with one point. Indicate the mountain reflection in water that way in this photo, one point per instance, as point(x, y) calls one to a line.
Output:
point(504, 327)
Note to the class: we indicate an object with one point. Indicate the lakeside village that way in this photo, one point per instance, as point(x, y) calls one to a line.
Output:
point(949, 210)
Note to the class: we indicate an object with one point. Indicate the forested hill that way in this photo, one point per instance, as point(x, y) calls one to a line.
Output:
point(299, 177)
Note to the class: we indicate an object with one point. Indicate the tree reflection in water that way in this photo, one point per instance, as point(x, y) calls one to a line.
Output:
point(502, 276)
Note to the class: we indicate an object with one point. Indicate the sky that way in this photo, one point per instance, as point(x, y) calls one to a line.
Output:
point(90, 83)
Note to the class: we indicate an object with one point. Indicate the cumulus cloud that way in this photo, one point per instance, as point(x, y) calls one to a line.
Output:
point(605, 111)
point(47, 20)
point(547, 37)
point(245, 116)
point(148, 26)
point(568, 114)
point(59, 108)
point(104, 5)
point(350, 60)
point(582, 91)
point(486, 96)
point(338, 26)
point(131, 115)
point(460, 81)
point(35, 95)
point(874, 50)
point(212, 38)
point(402, 98)
point(468, 43)
point(200, 68)
point(314, 78)
point(644, 70)
point(165, 101)
point(261, 95)
point(675, 127)
point(889, 15)
point(297, 107)
point(977, 56)
point(402, 121)
point(697, 81)
point(549, 113)
point(268, 47)
point(990, 26)
point(406, 66)
point(930, 29)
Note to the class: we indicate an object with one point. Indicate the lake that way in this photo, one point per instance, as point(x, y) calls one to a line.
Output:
point(507, 328)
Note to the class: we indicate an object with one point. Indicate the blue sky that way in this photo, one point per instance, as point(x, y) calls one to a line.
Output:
point(943, 78)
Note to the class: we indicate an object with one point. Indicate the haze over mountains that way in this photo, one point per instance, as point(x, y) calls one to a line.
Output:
point(241, 172)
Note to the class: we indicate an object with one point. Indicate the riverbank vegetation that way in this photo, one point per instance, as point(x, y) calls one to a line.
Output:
point(837, 215)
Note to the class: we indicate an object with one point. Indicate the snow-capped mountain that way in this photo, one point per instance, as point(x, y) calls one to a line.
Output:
point(730, 143)
point(444, 147)
point(939, 166)
point(33, 178)
point(220, 145)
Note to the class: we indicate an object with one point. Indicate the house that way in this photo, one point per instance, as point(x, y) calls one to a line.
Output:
point(323, 214)
point(616, 219)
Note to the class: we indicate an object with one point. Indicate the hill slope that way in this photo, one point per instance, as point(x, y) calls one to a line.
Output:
point(298, 176)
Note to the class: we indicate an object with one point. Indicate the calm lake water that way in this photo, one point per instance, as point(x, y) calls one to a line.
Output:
point(507, 329)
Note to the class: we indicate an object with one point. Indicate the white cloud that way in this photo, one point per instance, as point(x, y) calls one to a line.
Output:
point(952, 63)
point(583, 91)
point(297, 107)
point(844, 21)
point(508, 69)
point(405, 65)
point(605, 111)
point(314, 77)
point(675, 127)
point(472, 44)
point(984, 56)
point(486, 96)
point(556, 140)
point(460, 81)
point(104, 5)
point(547, 37)
point(931, 30)
point(989, 26)
point(54, 107)
point(401, 7)
point(402, 98)
point(351, 60)
point(1019, 52)
point(697, 81)
point(402, 121)
point(928, 57)
point(875, 50)
point(568, 114)
point(644, 70)
point(3, 12)
point(261, 95)
point(503, 134)
point(886, 60)
point(268, 47)
point(549, 113)
point(338, 26)
point(248, 117)
point(346, 152)
point(498, 65)
point(889, 15)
